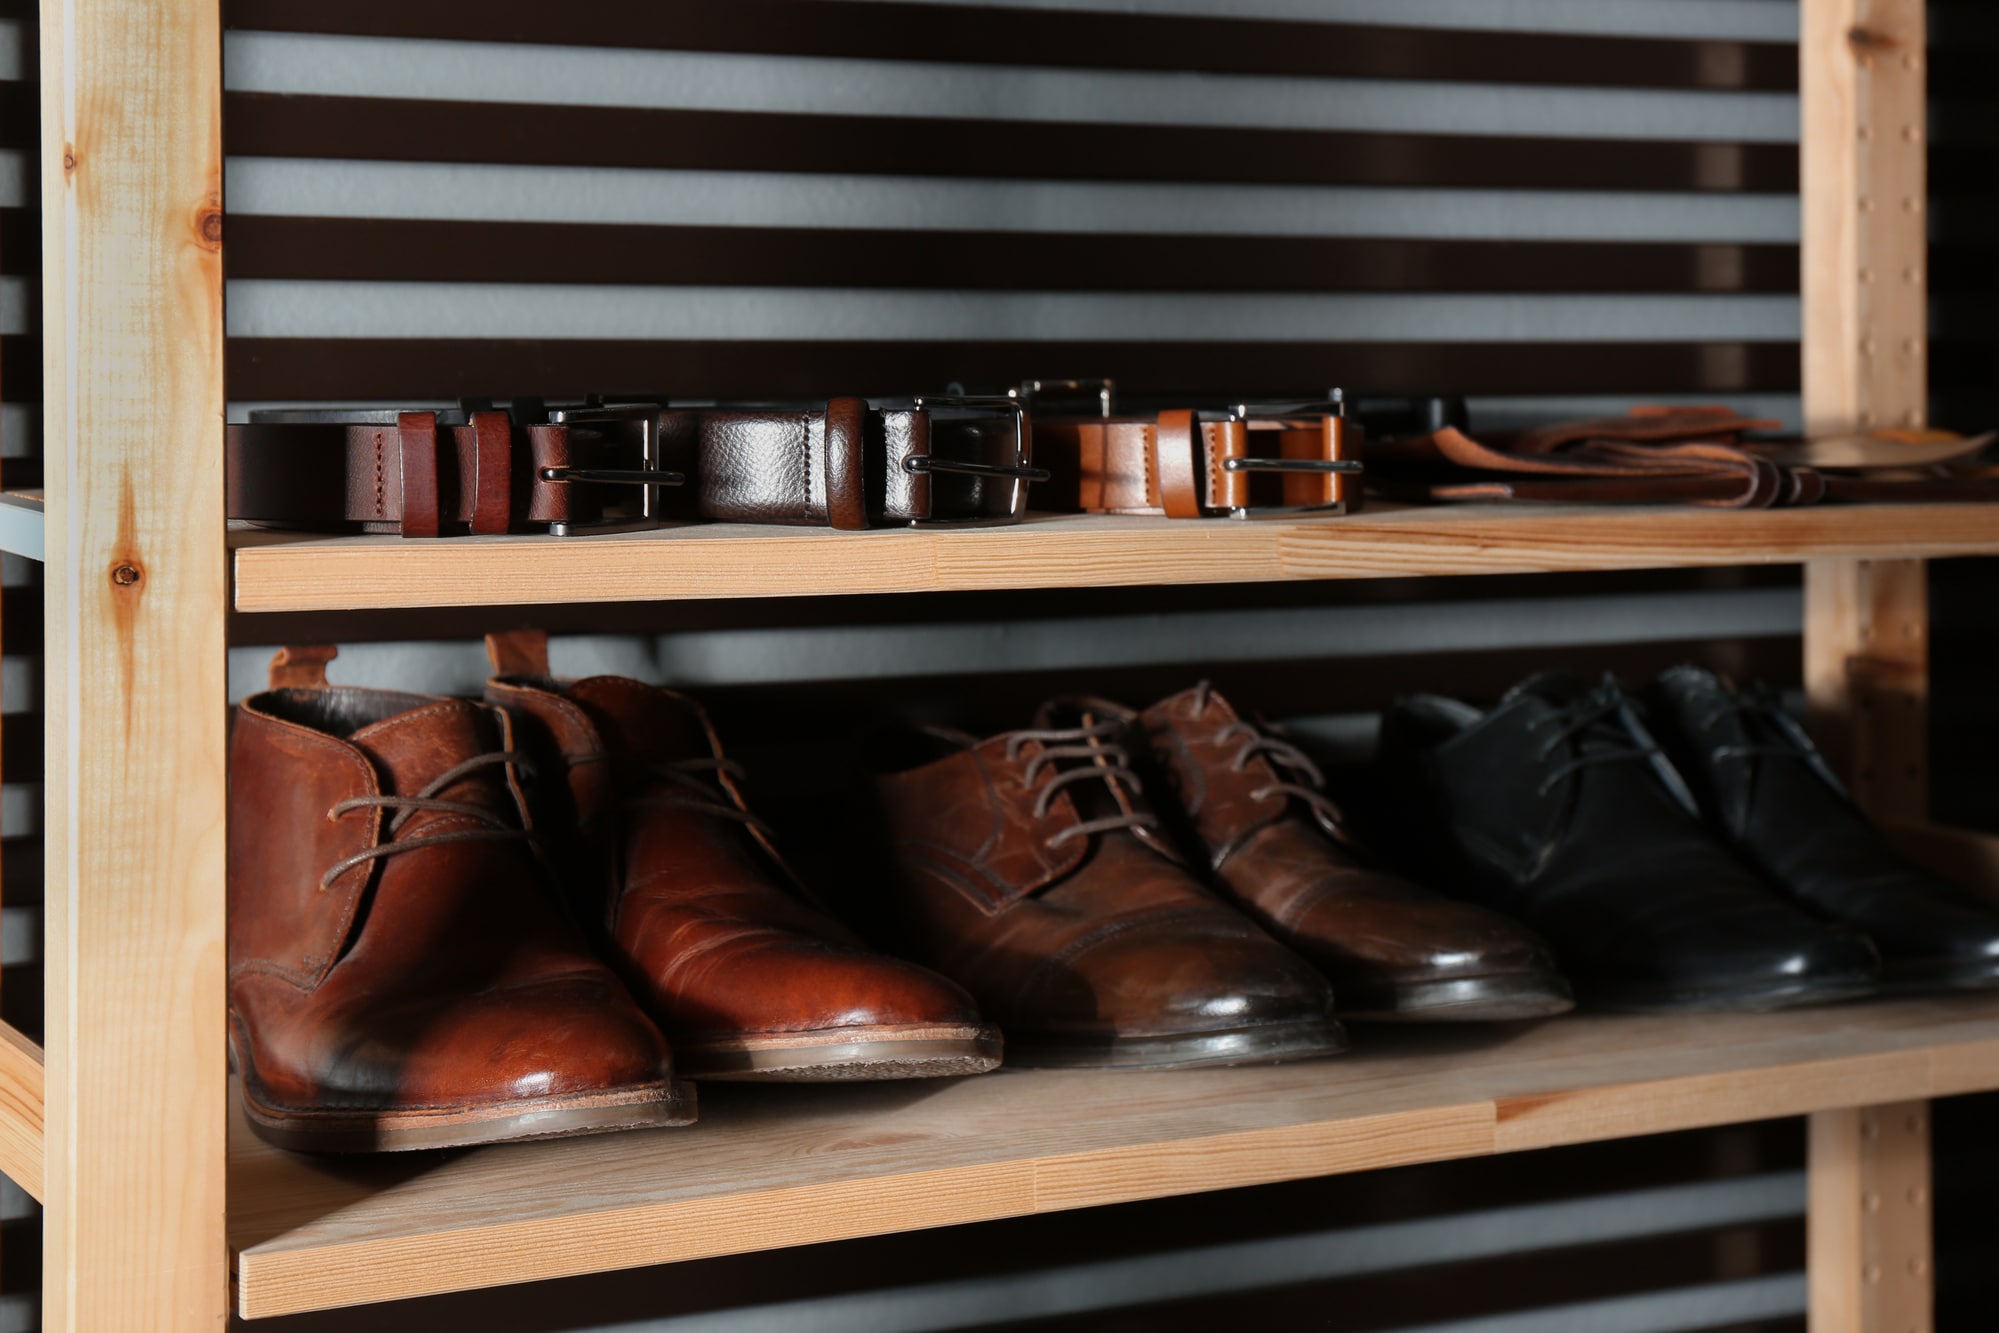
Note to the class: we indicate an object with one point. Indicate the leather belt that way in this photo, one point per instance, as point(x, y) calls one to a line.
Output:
point(845, 464)
point(1193, 464)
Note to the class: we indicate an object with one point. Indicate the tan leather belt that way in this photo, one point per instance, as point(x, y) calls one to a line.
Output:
point(846, 464)
point(1194, 464)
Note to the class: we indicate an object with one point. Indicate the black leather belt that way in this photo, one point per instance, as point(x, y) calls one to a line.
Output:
point(845, 464)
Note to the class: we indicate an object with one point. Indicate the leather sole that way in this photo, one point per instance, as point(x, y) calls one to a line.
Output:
point(1270, 1043)
point(1758, 995)
point(845, 1055)
point(644, 1106)
point(1495, 999)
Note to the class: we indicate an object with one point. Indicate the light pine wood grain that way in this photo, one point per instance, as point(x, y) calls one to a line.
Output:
point(1865, 274)
point(782, 1166)
point(1867, 650)
point(1870, 1229)
point(21, 1096)
point(1862, 173)
point(277, 572)
point(132, 414)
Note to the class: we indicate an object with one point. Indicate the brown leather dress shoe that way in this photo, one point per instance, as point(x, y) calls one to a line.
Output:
point(1255, 810)
point(707, 922)
point(1031, 869)
point(400, 974)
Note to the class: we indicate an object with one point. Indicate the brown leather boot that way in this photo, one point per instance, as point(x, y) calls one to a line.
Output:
point(749, 979)
point(1032, 870)
point(1254, 807)
point(400, 973)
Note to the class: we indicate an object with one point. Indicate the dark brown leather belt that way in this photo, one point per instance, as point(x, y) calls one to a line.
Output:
point(1242, 461)
point(846, 464)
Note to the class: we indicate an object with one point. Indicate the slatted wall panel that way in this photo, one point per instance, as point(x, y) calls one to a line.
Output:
point(20, 621)
point(803, 197)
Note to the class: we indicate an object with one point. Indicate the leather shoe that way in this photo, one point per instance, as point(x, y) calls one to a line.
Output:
point(696, 906)
point(1558, 808)
point(1031, 868)
point(1768, 794)
point(400, 972)
point(1255, 810)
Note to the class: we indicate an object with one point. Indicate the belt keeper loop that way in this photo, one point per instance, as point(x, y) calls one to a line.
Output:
point(492, 472)
point(846, 488)
point(418, 451)
point(1228, 490)
point(1180, 446)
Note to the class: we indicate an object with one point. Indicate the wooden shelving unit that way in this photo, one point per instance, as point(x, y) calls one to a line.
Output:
point(789, 1166)
point(121, 1123)
point(280, 572)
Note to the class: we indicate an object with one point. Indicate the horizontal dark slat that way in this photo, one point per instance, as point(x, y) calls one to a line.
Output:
point(21, 623)
point(414, 368)
point(21, 870)
point(20, 369)
point(20, 241)
point(1964, 270)
point(20, 750)
point(445, 251)
point(20, 114)
point(869, 29)
point(409, 130)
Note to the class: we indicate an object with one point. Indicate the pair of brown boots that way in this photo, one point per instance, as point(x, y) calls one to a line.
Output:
point(1170, 888)
point(417, 949)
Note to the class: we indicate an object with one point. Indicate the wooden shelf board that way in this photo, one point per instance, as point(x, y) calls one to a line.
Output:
point(777, 1166)
point(290, 572)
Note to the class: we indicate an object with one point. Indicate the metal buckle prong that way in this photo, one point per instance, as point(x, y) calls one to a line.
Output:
point(1020, 472)
point(614, 476)
point(646, 476)
point(1334, 405)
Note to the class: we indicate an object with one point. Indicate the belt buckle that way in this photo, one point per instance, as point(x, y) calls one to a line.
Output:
point(968, 484)
point(1333, 405)
point(648, 476)
point(1103, 390)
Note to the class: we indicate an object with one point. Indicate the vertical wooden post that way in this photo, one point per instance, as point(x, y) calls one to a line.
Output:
point(133, 405)
point(1865, 277)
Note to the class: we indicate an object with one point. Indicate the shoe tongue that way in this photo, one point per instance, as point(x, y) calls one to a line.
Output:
point(651, 723)
point(411, 749)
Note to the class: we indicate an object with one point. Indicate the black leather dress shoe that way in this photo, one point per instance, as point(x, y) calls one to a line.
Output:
point(1556, 807)
point(1767, 793)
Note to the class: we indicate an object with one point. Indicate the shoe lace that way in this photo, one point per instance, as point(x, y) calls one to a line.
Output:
point(1110, 764)
point(701, 791)
point(498, 826)
point(1300, 778)
point(1586, 714)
